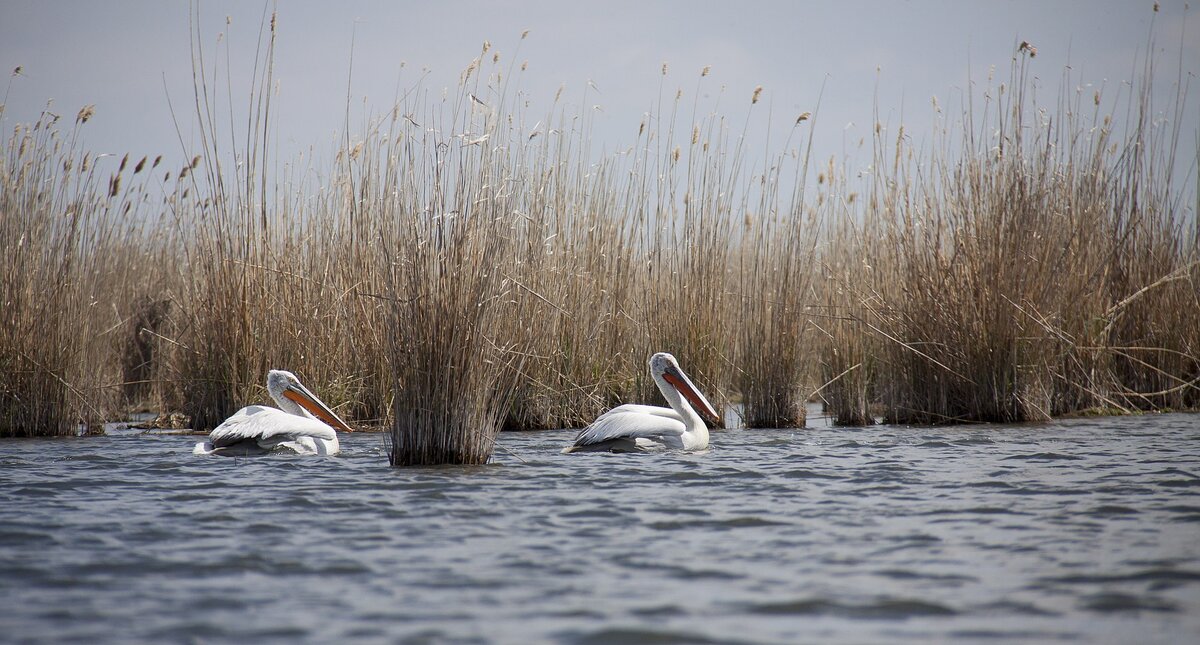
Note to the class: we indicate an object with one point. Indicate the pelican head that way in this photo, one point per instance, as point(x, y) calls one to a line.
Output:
point(291, 396)
point(664, 367)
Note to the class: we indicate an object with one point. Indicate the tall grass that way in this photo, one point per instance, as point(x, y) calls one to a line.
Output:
point(463, 266)
point(1005, 260)
point(449, 225)
point(269, 279)
point(70, 239)
point(776, 302)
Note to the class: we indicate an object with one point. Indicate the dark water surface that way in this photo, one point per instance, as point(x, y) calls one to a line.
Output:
point(1080, 531)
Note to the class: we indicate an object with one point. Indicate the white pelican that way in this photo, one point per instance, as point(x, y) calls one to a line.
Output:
point(634, 427)
point(302, 423)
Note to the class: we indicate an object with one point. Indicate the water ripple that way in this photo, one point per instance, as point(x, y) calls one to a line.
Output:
point(886, 609)
point(1079, 530)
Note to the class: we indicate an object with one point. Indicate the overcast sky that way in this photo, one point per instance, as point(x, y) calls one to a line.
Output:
point(127, 56)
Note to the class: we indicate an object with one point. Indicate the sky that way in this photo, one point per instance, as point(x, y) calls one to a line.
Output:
point(129, 57)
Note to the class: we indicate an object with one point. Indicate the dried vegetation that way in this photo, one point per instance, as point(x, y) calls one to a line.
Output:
point(465, 267)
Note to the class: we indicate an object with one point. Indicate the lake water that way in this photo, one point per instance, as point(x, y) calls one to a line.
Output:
point(1081, 531)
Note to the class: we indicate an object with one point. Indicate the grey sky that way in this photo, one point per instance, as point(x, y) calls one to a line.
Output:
point(125, 56)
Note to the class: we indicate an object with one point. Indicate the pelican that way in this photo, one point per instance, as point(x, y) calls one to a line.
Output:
point(302, 423)
point(634, 427)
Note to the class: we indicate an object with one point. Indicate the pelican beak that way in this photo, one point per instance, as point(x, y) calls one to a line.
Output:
point(700, 404)
point(310, 402)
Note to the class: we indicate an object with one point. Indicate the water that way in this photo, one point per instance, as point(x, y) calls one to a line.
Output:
point(1079, 531)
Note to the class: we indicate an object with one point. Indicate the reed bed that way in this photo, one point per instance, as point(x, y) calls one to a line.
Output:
point(1003, 261)
point(776, 305)
point(268, 278)
point(72, 239)
point(464, 266)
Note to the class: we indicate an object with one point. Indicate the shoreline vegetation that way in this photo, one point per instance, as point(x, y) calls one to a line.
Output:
point(464, 266)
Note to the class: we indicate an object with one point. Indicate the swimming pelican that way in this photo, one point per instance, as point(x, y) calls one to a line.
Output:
point(634, 427)
point(302, 423)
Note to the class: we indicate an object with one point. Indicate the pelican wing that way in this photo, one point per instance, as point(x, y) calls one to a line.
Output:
point(653, 410)
point(267, 427)
point(631, 429)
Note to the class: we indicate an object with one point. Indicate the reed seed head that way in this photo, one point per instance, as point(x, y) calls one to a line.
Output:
point(466, 75)
point(489, 264)
point(85, 113)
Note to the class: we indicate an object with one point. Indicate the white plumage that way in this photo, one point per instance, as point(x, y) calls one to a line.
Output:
point(302, 424)
point(633, 427)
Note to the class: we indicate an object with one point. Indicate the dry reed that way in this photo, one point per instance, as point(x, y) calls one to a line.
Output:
point(1000, 284)
point(466, 267)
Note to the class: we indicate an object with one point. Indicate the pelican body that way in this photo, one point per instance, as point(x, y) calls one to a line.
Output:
point(632, 428)
point(302, 423)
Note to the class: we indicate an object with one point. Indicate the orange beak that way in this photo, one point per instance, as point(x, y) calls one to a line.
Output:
point(317, 408)
point(689, 392)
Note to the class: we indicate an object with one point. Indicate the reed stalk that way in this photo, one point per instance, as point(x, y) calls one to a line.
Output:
point(463, 266)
